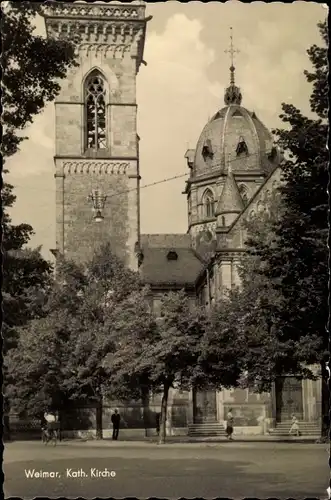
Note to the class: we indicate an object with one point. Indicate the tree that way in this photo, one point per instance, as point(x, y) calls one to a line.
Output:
point(161, 353)
point(32, 67)
point(296, 263)
point(59, 360)
point(265, 353)
point(133, 325)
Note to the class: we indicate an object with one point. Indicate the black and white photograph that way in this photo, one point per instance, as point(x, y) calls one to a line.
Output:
point(165, 250)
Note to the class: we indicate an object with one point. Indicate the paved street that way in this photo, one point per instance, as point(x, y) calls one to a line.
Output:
point(233, 470)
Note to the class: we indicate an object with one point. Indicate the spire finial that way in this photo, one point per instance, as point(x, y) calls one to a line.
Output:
point(232, 51)
point(232, 93)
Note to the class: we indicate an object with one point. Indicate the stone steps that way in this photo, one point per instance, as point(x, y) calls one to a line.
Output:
point(305, 428)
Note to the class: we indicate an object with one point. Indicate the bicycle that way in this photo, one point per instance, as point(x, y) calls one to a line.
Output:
point(49, 436)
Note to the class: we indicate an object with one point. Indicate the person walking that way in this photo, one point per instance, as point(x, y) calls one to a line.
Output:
point(294, 429)
point(115, 418)
point(158, 418)
point(229, 425)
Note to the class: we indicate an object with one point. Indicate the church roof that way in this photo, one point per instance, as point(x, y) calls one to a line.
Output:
point(220, 138)
point(230, 200)
point(168, 259)
point(231, 126)
point(178, 240)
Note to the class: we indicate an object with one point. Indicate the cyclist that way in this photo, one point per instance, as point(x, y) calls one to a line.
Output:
point(51, 425)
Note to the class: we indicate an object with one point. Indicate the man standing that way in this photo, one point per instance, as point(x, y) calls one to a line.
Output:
point(158, 418)
point(115, 418)
point(229, 425)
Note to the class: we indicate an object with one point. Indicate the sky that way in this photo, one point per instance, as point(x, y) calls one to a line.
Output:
point(181, 87)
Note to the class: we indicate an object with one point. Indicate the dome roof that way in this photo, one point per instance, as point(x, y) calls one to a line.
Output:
point(234, 134)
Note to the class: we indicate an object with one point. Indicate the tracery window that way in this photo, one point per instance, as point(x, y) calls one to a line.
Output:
point(208, 203)
point(243, 192)
point(95, 109)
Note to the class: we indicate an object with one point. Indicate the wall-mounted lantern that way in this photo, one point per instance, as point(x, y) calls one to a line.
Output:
point(98, 200)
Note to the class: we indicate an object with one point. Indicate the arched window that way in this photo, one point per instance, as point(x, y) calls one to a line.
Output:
point(208, 203)
point(243, 192)
point(95, 112)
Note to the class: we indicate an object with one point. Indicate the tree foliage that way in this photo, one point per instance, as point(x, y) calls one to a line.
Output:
point(31, 69)
point(299, 260)
point(27, 278)
point(158, 353)
point(60, 355)
point(278, 317)
point(284, 298)
point(32, 66)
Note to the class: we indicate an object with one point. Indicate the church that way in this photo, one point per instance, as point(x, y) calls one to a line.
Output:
point(231, 175)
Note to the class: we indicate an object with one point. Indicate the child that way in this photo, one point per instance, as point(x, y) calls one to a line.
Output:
point(229, 425)
point(295, 426)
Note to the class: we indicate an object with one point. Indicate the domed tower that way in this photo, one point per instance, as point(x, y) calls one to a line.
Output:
point(233, 156)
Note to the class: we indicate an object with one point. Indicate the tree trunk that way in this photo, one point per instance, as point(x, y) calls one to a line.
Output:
point(164, 407)
point(99, 408)
point(145, 402)
point(325, 405)
point(6, 420)
point(6, 428)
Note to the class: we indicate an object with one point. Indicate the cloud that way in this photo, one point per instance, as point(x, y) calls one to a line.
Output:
point(36, 153)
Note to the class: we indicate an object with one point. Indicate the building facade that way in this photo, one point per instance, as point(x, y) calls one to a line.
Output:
point(232, 173)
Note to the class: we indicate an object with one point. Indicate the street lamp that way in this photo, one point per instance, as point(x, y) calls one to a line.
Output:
point(98, 200)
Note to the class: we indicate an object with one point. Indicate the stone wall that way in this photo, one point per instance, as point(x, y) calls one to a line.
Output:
point(78, 235)
point(113, 171)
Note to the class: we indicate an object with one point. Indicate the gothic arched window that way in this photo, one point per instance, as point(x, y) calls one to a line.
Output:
point(95, 109)
point(208, 203)
point(243, 192)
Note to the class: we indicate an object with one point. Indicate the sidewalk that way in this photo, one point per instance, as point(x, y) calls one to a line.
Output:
point(186, 440)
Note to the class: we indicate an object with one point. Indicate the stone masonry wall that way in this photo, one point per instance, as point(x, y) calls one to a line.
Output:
point(112, 170)
point(82, 235)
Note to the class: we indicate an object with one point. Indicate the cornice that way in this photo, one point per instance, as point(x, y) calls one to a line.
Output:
point(113, 50)
point(104, 158)
point(95, 11)
point(95, 31)
point(113, 30)
point(230, 254)
point(95, 167)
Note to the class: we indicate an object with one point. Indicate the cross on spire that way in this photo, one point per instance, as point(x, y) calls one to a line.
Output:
point(232, 51)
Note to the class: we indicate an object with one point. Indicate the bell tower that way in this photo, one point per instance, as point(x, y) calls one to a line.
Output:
point(96, 144)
